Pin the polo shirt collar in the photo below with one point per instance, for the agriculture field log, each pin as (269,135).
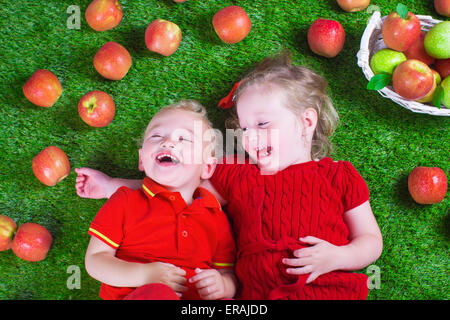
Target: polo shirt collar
(206,198)
(152,188)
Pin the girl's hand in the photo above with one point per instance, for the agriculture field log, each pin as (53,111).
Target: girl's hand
(92,183)
(209,284)
(166,273)
(320,258)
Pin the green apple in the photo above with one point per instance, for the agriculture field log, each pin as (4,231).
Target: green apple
(437,41)
(446,86)
(385,61)
(437,77)
(429,96)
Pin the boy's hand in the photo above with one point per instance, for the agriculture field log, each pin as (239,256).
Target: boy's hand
(322,257)
(168,274)
(91,183)
(209,284)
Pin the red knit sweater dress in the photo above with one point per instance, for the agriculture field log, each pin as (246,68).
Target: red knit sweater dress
(269,213)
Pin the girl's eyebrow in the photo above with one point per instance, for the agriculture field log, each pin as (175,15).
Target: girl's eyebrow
(264,113)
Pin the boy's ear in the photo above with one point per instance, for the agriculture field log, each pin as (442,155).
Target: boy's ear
(208,168)
(141,167)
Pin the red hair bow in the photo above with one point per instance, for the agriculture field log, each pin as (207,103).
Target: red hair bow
(228,101)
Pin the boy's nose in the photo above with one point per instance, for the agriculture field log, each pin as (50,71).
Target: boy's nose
(168,143)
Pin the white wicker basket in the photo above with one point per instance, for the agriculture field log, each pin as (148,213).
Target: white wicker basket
(371,42)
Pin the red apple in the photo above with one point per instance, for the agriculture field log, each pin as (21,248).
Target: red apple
(42,88)
(231,24)
(32,242)
(326,37)
(103,15)
(399,33)
(412,79)
(97,108)
(353,5)
(51,165)
(112,61)
(427,185)
(442,7)
(7,229)
(179,1)
(163,37)
(443,67)
(417,51)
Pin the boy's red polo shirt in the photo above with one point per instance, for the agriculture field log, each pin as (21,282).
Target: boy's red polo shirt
(153,224)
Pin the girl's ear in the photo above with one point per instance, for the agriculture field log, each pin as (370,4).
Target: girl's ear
(208,168)
(141,167)
(310,123)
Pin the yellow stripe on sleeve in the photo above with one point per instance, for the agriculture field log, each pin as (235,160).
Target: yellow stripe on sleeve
(223,264)
(104,237)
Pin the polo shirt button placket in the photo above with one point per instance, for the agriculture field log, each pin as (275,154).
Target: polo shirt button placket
(184,234)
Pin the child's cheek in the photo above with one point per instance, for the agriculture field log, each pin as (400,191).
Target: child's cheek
(193,154)
(249,145)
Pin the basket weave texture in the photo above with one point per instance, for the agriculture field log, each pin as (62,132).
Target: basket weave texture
(372,41)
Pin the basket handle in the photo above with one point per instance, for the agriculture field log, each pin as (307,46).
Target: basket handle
(373,23)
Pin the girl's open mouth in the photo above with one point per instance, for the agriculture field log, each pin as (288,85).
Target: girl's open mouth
(264,152)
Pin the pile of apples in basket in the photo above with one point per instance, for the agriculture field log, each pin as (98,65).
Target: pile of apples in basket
(416,62)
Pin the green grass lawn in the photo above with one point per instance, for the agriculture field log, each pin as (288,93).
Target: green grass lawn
(382,140)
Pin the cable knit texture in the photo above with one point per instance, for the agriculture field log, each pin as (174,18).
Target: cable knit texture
(269,213)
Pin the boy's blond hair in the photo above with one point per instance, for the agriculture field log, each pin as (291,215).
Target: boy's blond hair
(304,89)
(188,105)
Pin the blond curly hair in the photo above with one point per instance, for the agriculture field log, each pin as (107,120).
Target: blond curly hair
(304,89)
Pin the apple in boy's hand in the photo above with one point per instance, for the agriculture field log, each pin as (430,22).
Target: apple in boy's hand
(163,37)
(446,87)
(326,37)
(231,24)
(417,51)
(32,242)
(427,185)
(97,108)
(112,61)
(7,229)
(442,7)
(429,96)
(443,67)
(51,165)
(103,15)
(412,79)
(437,40)
(353,5)
(386,60)
(42,88)
(400,33)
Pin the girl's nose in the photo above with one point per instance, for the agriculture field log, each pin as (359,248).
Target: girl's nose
(257,135)
(252,135)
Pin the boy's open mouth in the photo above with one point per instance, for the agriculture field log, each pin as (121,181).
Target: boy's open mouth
(167,159)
